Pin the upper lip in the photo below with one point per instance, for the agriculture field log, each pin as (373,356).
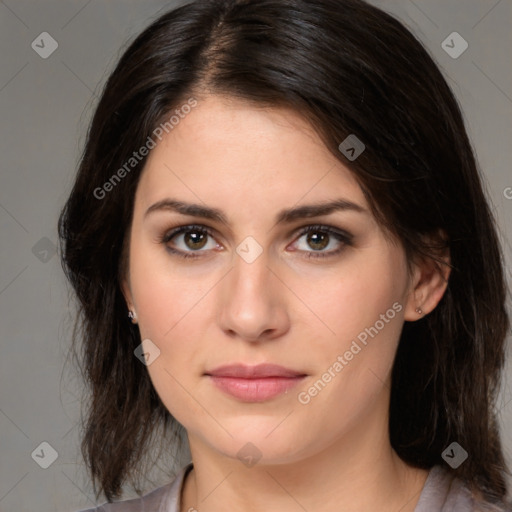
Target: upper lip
(253,372)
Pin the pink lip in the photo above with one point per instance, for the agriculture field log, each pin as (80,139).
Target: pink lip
(254,383)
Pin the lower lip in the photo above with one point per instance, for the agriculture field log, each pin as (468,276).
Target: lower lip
(255,390)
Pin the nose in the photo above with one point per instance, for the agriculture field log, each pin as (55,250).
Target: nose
(252,302)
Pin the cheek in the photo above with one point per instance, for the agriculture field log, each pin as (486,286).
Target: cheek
(352,365)
(363,309)
(168,318)
(165,292)
(354,299)
(172,309)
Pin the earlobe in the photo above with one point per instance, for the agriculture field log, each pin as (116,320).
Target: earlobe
(428,286)
(132,316)
(125,289)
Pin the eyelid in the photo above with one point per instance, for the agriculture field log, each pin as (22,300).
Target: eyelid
(171,233)
(179,230)
(327,229)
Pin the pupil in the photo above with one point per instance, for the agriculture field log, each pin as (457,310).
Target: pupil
(318,241)
(197,239)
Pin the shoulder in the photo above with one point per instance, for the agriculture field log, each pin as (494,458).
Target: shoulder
(443,492)
(165,498)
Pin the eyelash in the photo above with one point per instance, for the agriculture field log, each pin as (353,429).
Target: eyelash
(341,236)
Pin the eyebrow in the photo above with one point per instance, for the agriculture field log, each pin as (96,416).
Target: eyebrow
(285,216)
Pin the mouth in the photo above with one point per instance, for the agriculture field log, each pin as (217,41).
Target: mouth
(254,383)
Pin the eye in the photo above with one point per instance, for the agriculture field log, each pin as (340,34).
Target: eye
(321,237)
(188,240)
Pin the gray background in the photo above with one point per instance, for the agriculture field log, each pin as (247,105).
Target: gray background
(45,105)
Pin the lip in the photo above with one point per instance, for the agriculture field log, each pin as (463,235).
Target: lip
(253,372)
(254,383)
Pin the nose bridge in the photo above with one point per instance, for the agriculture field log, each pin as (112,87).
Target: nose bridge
(249,280)
(251,304)
(250,268)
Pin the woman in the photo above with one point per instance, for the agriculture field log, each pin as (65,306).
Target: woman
(279,243)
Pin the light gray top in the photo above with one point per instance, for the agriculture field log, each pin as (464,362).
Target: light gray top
(442,492)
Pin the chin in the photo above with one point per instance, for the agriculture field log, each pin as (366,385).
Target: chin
(252,444)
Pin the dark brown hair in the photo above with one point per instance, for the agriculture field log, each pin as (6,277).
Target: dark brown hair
(348,68)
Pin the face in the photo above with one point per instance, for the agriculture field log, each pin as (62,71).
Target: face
(251,276)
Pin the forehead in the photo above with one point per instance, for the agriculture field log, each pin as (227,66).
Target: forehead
(228,152)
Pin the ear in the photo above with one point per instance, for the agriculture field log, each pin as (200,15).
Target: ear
(428,284)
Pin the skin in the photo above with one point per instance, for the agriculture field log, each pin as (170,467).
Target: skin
(282,308)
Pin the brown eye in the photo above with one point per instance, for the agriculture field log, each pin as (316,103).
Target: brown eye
(318,241)
(317,238)
(195,239)
(189,241)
